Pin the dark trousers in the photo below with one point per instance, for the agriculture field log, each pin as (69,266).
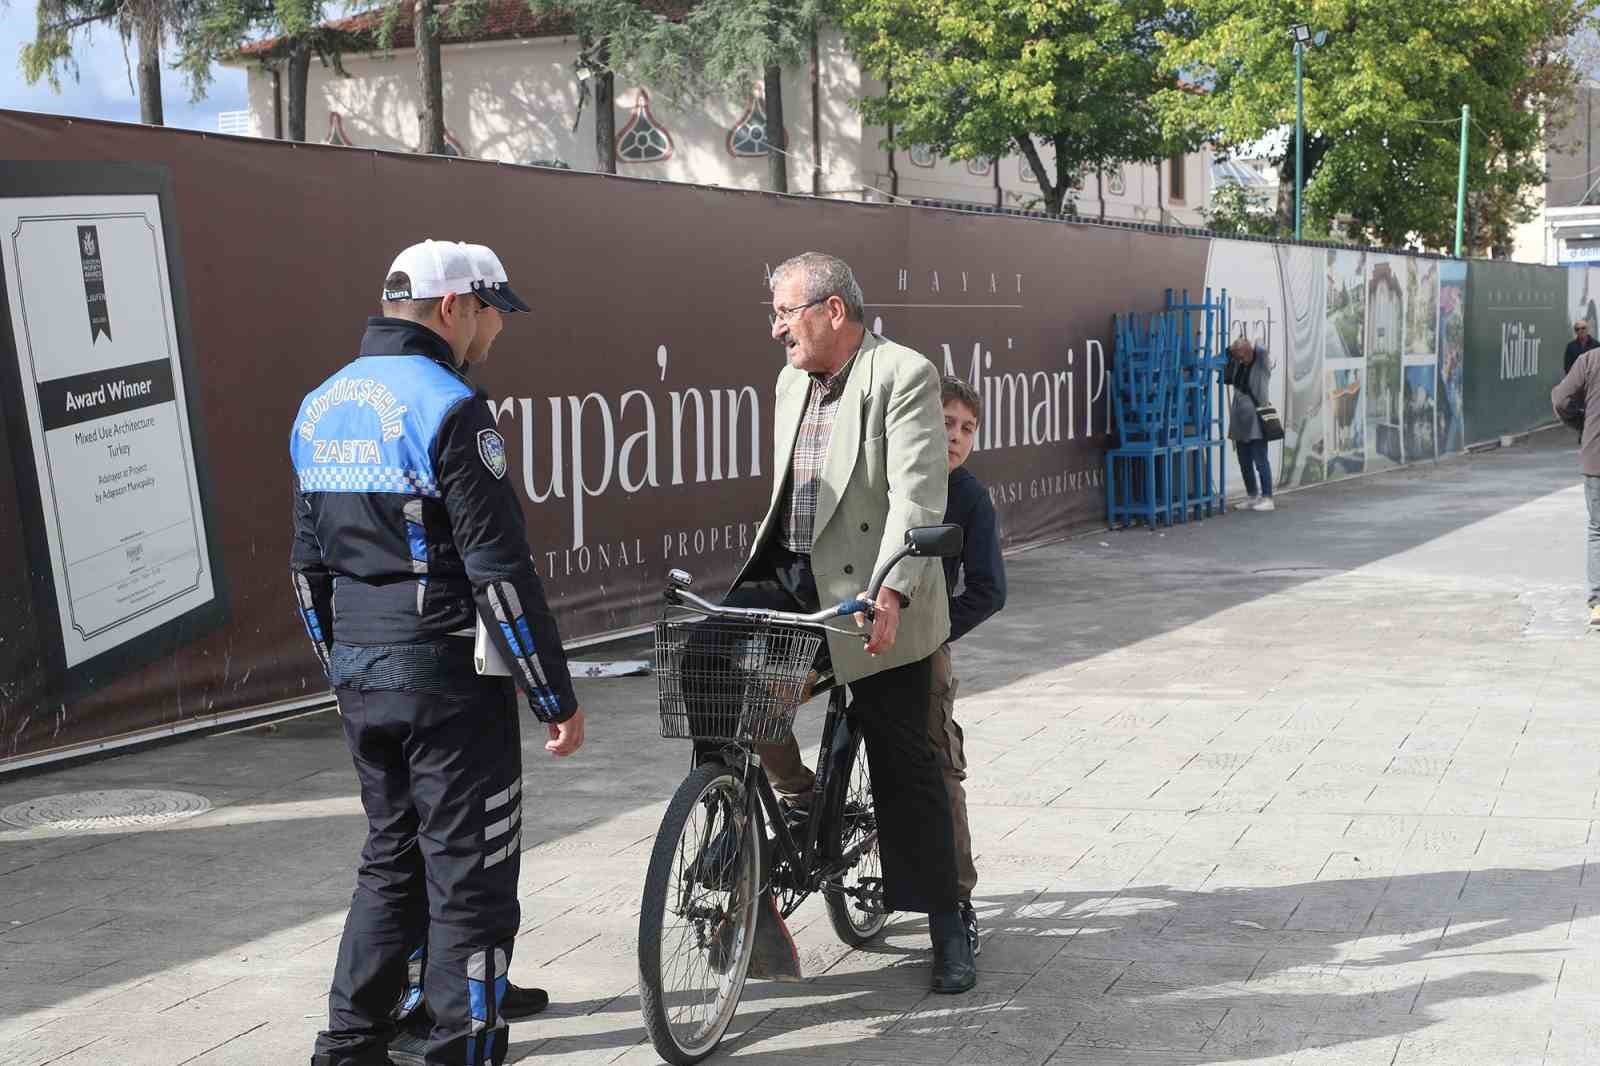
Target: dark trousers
(441,784)
(916,838)
(1255,461)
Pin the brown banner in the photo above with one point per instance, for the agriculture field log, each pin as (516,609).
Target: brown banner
(636,400)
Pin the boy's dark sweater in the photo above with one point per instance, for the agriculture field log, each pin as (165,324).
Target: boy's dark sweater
(979,564)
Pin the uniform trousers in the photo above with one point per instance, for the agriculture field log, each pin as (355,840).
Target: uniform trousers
(441,784)
(916,839)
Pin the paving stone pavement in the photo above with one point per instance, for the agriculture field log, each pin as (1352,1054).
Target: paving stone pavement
(1316,787)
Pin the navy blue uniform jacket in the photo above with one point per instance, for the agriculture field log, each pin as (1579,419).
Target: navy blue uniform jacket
(405,528)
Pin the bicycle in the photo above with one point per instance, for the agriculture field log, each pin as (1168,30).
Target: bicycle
(735,678)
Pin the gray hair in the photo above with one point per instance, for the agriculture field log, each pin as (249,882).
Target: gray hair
(825,276)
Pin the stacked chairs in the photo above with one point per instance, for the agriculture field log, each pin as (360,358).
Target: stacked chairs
(1202,466)
(1167,402)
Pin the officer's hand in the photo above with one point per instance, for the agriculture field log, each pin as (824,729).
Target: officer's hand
(566,737)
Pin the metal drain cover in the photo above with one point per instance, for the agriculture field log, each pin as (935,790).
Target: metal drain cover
(116,808)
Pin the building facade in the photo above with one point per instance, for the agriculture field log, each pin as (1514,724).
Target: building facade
(513,94)
(1566,229)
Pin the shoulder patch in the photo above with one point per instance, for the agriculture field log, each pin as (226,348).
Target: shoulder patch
(492,450)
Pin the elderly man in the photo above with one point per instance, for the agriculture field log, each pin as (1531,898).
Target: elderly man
(858,459)
(1570,399)
(1581,342)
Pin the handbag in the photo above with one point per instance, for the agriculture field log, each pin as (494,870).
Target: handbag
(1271,424)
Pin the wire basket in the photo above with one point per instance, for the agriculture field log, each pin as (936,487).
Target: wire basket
(731,679)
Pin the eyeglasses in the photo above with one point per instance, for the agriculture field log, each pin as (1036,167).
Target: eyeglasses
(789,314)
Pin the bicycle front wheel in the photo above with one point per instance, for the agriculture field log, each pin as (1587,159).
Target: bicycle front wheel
(697,922)
(855,897)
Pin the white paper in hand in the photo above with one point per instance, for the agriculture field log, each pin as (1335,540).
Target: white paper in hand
(486,654)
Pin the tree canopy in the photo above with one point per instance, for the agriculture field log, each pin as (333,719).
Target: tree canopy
(1383,103)
(978,79)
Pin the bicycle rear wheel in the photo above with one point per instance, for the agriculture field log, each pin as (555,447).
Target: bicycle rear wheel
(697,920)
(855,897)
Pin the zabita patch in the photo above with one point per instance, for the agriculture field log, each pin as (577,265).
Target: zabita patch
(492,450)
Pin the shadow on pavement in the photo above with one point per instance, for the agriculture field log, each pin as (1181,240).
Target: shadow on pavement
(1271,984)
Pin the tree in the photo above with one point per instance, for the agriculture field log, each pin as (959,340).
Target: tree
(429,19)
(1236,211)
(1383,104)
(722,43)
(979,79)
(691,53)
(225,25)
(609,32)
(430,77)
(49,54)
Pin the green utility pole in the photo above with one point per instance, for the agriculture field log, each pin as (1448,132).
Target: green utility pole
(1299,132)
(1304,41)
(1461,178)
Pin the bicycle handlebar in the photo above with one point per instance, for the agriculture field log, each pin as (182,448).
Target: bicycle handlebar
(863,605)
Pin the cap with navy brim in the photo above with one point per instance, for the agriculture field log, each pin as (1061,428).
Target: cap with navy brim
(492,283)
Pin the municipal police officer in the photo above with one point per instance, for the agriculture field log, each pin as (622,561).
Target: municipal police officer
(404,520)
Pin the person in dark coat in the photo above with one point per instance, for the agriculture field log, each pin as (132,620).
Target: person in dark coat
(1581,342)
(1248,372)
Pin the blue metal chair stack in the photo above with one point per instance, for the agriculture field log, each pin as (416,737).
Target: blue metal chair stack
(1201,477)
(1144,401)
(1167,402)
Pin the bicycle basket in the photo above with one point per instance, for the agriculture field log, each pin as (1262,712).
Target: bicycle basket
(731,679)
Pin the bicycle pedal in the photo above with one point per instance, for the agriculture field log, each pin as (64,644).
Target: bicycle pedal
(869,895)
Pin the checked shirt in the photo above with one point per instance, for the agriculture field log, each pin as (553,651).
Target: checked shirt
(798,529)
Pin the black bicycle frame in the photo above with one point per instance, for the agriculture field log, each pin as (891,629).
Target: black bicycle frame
(811,869)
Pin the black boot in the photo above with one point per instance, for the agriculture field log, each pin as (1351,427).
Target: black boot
(954,968)
(519,1002)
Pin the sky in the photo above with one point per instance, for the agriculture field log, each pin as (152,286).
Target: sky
(104,88)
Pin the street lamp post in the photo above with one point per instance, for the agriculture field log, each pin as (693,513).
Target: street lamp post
(1303,39)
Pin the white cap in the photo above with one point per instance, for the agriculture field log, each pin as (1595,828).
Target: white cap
(428,271)
(492,283)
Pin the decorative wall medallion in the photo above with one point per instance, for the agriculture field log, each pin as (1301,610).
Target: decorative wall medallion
(336,134)
(643,139)
(748,138)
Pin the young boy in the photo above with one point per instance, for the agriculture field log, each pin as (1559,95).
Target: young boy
(980,576)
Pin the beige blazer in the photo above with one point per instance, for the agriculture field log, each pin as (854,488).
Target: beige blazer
(884,473)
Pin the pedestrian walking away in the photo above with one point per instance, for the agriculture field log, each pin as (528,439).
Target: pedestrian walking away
(858,459)
(1569,399)
(976,580)
(404,517)
(1248,371)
